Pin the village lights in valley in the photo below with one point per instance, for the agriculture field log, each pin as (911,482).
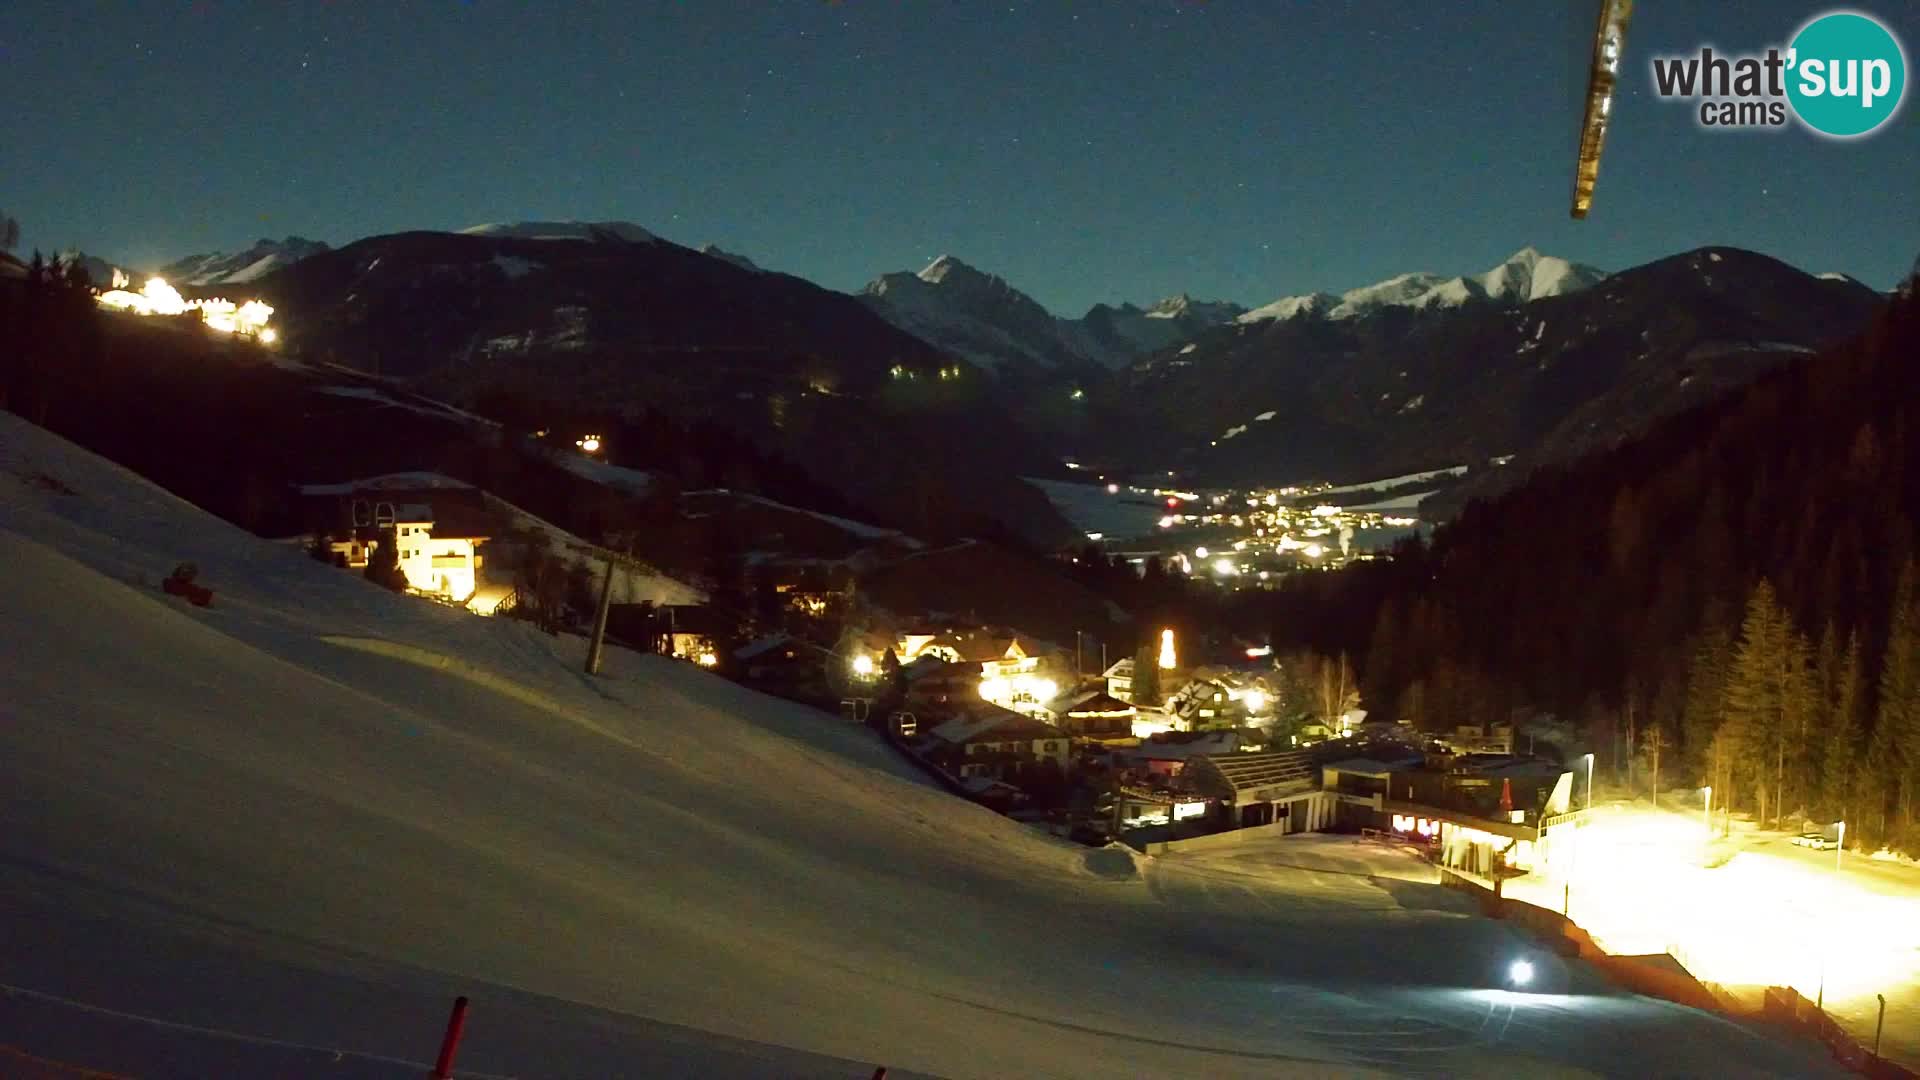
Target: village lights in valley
(157,297)
(708,659)
(589,443)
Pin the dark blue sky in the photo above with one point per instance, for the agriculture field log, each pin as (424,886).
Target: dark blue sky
(1084,149)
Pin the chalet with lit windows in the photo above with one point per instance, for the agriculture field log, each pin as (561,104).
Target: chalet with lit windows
(1120,679)
(1097,716)
(694,632)
(781,664)
(988,741)
(438,531)
(1215,698)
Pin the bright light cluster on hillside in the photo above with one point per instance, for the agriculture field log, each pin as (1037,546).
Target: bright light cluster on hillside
(157,297)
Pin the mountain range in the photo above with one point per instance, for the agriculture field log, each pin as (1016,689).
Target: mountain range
(240,268)
(1525,276)
(926,393)
(551,320)
(979,316)
(1538,358)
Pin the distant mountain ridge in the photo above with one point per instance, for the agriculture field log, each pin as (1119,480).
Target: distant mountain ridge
(243,267)
(1525,276)
(981,317)
(603,316)
(1420,372)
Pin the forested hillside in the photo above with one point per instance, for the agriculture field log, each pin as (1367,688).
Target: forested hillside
(1734,593)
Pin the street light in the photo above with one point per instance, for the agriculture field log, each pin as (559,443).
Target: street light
(1839,845)
(1706,808)
(1589,781)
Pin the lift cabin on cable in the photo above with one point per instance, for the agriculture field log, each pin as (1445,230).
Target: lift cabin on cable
(1609,42)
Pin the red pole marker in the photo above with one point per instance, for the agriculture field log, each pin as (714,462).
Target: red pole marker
(456,1026)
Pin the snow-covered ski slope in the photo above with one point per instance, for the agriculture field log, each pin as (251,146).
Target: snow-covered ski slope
(315,811)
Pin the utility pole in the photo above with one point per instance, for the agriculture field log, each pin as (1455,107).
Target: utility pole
(598,642)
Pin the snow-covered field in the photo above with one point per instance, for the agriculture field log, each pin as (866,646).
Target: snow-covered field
(1395,481)
(1091,508)
(315,811)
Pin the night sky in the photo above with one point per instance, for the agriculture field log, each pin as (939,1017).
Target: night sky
(1087,150)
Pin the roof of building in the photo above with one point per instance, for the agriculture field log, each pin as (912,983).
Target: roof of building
(985,721)
(977,646)
(1184,745)
(1121,669)
(456,512)
(1362,766)
(1233,776)
(1094,703)
(763,646)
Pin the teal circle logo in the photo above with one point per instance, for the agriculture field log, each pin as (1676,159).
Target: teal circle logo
(1846,74)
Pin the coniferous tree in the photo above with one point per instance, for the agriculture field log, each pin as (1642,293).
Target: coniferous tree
(1146,675)
(1842,736)
(1896,744)
(383,566)
(1768,696)
(1704,713)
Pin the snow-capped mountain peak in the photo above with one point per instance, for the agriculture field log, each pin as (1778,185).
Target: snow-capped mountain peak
(1528,275)
(741,261)
(1183,306)
(1288,307)
(944,267)
(238,268)
(1524,276)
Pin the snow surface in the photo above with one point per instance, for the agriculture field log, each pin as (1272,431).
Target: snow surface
(624,480)
(856,528)
(1525,276)
(259,268)
(400,481)
(565,230)
(1120,516)
(1398,502)
(1395,481)
(314,811)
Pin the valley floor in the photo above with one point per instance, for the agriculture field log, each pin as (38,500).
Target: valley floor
(315,811)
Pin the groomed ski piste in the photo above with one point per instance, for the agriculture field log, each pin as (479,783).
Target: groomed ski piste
(277,835)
